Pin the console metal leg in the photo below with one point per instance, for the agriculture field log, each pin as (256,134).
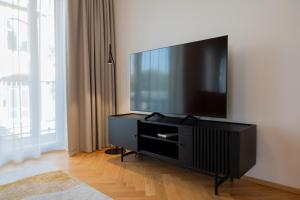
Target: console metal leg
(218,181)
(216,185)
(124,153)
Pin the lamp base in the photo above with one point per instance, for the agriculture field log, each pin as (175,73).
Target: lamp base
(114,151)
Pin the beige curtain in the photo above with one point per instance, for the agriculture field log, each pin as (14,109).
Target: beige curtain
(90,84)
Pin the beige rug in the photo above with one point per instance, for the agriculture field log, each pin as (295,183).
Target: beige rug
(54,185)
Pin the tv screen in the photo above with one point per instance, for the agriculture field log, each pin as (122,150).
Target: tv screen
(189,78)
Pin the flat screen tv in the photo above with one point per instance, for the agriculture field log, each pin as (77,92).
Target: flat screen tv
(188,78)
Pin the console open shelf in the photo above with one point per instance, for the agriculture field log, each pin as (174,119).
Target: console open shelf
(148,140)
(173,140)
(161,147)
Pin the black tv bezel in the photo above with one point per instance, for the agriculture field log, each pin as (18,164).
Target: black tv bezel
(192,114)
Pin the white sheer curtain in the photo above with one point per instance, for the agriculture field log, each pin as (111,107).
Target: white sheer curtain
(32,78)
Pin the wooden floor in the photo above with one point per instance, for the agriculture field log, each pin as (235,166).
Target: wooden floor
(149,179)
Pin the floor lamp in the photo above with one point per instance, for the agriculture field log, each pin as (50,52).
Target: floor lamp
(111,62)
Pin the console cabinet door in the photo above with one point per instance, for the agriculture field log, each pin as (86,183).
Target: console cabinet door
(123,132)
(186,146)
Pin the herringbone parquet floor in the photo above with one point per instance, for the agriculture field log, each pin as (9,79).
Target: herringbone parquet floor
(149,179)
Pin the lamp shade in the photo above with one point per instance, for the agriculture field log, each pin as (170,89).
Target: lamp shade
(110,56)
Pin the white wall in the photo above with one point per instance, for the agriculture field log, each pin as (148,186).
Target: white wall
(264,71)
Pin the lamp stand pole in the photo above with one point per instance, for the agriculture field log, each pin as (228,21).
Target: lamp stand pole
(111,61)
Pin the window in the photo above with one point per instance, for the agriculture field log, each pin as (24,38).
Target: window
(32,81)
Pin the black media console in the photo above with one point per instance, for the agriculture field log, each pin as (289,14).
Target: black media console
(221,149)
